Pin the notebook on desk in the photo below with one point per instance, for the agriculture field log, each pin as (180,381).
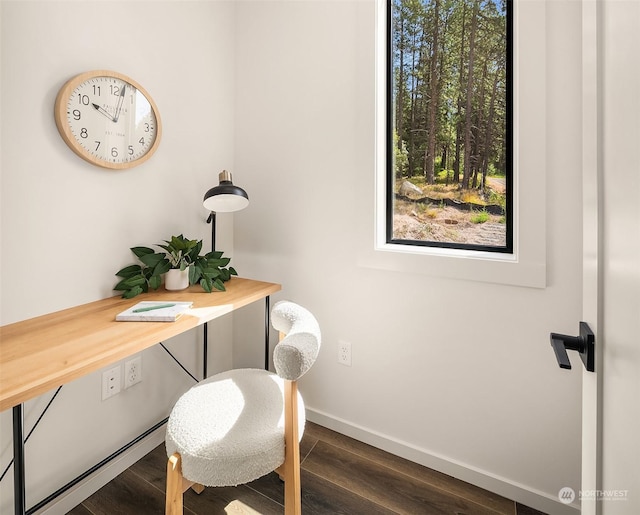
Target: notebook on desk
(154,311)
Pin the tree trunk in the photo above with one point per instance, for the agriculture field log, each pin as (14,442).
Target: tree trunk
(433,105)
(489,133)
(413,126)
(400,85)
(467,113)
(456,160)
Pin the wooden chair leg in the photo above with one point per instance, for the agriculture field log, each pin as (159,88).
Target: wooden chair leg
(174,486)
(197,488)
(292,495)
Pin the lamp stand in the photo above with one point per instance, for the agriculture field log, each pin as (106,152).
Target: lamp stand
(212,220)
(205,344)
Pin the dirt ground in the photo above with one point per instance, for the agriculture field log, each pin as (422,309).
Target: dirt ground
(446,224)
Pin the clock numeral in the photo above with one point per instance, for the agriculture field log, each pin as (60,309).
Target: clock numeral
(76,114)
(114,152)
(141,141)
(83,99)
(115,90)
(97,145)
(147,127)
(130,150)
(96,90)
(84,133)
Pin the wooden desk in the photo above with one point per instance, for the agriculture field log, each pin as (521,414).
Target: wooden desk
(42,353)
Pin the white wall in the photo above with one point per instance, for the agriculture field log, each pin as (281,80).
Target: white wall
(455,374)
(67,226)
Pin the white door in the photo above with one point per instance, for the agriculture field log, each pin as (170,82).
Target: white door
(611,242)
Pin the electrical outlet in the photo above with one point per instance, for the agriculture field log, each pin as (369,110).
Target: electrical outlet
(132,371)
(110,382)
(344,353)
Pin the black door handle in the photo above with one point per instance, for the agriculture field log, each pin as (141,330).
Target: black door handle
(584,344)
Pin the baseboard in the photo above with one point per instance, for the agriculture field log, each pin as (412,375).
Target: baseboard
(483,479)
(78,493)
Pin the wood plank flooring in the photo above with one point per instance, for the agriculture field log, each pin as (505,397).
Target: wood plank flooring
(339,476)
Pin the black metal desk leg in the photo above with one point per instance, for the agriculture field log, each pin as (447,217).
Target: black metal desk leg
(205,349)
(19,490)
(267,322)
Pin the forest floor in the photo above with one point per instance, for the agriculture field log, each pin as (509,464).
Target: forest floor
(438,223)
(448,225)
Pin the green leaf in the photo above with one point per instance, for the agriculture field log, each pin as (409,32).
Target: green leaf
(182,243)
(162,267)
(155,281)
(176,242)
(216,254)
(206,284)
(151,260)
(218,262)
(194,275)
(195,252)
(129,294)
(129,271)
(212,273)
(218,285)
(141,251)
(130,282)
(232,271)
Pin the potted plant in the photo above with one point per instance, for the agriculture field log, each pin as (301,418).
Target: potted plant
(181,255)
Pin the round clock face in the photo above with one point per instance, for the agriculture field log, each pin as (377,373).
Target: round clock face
(108,119)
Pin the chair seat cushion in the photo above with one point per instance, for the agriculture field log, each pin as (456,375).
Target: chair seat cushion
(229,428)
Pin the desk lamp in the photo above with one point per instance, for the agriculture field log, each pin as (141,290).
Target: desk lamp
(223,198)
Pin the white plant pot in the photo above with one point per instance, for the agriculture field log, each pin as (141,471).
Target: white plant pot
(176,279)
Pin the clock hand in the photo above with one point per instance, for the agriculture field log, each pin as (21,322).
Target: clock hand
(119,105)
(102,111)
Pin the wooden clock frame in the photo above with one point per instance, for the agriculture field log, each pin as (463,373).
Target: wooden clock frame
(62,113)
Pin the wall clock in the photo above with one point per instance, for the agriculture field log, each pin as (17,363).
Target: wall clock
(108,119)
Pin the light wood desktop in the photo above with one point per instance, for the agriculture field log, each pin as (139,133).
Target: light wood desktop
(42,353)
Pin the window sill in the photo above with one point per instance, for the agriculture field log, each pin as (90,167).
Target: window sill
(467,265)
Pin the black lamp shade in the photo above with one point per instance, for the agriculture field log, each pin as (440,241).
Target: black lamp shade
(225,198)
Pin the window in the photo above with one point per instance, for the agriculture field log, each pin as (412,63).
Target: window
(525,264)
(449,140)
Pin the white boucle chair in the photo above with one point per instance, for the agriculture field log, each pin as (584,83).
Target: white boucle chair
(239,425)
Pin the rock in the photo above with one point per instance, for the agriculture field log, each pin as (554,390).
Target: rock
(406,188)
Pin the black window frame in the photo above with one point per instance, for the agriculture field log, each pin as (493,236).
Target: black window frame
(508,248)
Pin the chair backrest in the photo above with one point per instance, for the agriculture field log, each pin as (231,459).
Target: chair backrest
(297,352)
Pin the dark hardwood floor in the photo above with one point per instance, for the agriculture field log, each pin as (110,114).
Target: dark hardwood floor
(339,476)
